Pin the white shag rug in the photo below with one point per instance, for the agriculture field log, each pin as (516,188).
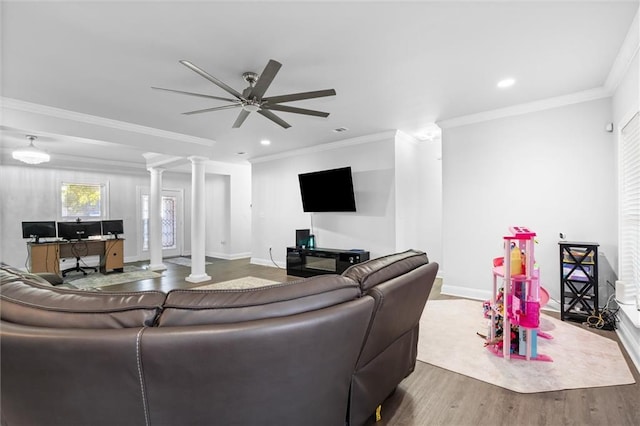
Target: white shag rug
(183,261)
(98,280)
(239,283)
(581,358)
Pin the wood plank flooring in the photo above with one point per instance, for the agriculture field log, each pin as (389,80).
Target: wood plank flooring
(433,396)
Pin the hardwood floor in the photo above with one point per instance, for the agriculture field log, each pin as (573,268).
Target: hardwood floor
(435,396)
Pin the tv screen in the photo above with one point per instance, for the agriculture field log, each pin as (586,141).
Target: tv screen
(327,191)
(112,227)
(37,230)
(78,230)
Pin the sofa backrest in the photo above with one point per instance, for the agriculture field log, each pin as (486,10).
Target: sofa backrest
(65,376)
(373,272)
(195,307)
(10,274)
(287,370)
(27,302)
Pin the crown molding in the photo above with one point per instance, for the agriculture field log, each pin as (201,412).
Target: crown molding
(30,107)
(526,108)
(327,146)
(627,53)
(625,57)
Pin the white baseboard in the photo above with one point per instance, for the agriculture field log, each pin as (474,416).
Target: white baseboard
(267,262)
(466,292)
(227,256)
(475,294)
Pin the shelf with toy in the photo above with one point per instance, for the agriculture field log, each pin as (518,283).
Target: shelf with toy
(515,306)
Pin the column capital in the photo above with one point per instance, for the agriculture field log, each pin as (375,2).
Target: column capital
(196,159)
(155,169)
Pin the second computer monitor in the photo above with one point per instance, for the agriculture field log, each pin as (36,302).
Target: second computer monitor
(79,230)
(113,227)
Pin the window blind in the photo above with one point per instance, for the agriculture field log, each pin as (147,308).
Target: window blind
(629,204)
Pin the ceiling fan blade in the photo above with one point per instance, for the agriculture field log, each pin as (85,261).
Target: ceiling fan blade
(295,110)
(265,79)
(271,116)
(199,111)
(212,79)
(241,117)
(195,94)
(300,96)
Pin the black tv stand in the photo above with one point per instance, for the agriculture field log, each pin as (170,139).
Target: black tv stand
(307,262)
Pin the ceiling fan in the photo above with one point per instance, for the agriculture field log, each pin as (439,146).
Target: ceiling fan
(251,99)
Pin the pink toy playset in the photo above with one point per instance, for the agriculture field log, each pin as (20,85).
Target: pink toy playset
(514,308)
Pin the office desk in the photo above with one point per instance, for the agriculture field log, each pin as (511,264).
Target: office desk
(45,257)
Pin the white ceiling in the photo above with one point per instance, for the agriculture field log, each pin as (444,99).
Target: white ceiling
(394,65)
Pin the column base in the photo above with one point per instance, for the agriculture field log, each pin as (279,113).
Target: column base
(197,278)
(157,267)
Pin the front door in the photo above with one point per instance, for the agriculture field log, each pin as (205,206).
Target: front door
(172,209)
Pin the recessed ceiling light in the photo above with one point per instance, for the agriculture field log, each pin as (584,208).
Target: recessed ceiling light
(265,142)
(507,82)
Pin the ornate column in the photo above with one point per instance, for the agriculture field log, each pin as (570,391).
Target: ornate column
(198,233)
(155,220)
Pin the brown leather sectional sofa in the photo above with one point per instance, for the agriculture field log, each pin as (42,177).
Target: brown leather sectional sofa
(323,351)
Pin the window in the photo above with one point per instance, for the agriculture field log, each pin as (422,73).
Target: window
(169,222)
(629,204)
(83,201)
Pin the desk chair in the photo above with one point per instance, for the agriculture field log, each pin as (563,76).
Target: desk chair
(78,268)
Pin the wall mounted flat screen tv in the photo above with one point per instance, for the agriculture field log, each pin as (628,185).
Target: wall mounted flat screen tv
(37,230)
(327,191)
(113,227)
(79,230)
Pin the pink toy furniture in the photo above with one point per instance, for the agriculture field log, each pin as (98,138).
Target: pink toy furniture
(520,297)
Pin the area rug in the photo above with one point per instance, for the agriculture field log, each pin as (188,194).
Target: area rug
(581,359)
(239,283)
(97,280)
(183,261)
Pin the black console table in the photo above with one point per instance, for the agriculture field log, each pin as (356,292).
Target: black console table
(307,262)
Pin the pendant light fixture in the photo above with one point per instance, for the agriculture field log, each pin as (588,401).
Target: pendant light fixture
(31,154)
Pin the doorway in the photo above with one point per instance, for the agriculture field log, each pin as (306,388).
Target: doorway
(172,222)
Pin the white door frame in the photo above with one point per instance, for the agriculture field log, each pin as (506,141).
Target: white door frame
(166,192)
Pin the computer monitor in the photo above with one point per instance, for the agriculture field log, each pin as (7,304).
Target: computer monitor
(37,230)
(79,230)
(113,227)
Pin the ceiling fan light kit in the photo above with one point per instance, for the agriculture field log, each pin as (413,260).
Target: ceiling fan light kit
(252,98)
(31,154)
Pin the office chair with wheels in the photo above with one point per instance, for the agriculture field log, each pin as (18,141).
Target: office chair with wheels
(78,268)
(79,249)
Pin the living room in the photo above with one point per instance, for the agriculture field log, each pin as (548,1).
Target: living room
(547,162)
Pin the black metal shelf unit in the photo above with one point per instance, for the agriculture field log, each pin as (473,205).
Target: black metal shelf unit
(578,280)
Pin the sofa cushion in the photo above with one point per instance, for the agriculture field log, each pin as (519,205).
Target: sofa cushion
(197,307)
(9,273)
(375,271)
(30,303)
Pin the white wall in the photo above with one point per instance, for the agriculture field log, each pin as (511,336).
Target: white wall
(218,224)
(31,193)
(419,196)
(397,186)
(277,206)
(552,171)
